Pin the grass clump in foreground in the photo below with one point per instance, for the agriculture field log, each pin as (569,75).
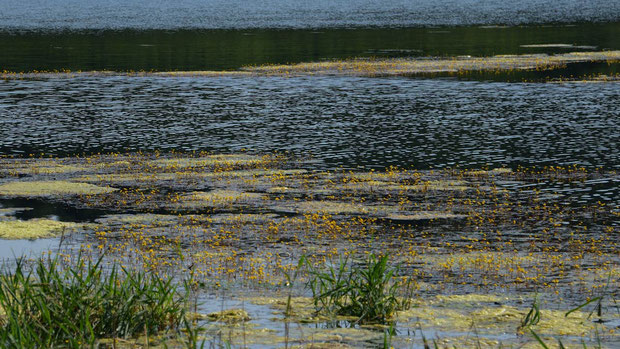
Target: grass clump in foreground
(371,292)
(49,304)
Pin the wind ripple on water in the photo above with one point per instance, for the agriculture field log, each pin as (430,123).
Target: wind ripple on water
(343,121)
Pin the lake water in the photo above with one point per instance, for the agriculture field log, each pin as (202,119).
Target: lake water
(203,49)
(141,14)
(478,120)
(342,121)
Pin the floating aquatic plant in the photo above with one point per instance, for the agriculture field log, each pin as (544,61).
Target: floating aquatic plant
(51,188)
(35,228)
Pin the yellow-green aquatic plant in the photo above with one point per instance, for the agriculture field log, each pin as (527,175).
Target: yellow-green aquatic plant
(54,305)
(34,228)
(51,188)
(369,292)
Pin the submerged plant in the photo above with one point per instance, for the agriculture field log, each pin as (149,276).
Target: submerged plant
(51,304)
(370,292)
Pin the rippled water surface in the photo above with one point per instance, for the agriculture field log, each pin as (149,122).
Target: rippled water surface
(350,122)
(81,14)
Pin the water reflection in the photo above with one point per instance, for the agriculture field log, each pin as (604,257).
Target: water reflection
(165,50)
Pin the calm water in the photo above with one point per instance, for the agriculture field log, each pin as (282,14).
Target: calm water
(166,50)
(350,122)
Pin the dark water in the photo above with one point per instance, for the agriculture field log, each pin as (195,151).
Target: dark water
(166,50)
(371,122)
(142,14)
(39,208)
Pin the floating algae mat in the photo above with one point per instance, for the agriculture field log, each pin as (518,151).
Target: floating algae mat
(51,188)
(366,67)
(34,228)
(475,245)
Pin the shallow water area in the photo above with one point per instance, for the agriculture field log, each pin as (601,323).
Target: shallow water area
(236,224)
(12,249)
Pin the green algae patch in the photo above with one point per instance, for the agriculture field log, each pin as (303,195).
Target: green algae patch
(51,188)
(472,298)
(44,170)
(457,313)
(339,337)
(243,334)
(332,207)
(129,178)
(466,342)
(230,316)
(212,160)
(495,171)
(275,173)
(216,198)
(373,185)
(423,215)
(34,228)
(340,208)
(243,218)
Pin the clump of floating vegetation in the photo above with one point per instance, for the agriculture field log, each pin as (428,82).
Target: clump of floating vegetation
(240,222)
(51,188)
(53,304)
(35,228)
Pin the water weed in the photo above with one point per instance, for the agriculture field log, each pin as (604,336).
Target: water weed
(51,304)
(371,292)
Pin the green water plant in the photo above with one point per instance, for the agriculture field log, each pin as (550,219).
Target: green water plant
(53,304)
(371,292)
